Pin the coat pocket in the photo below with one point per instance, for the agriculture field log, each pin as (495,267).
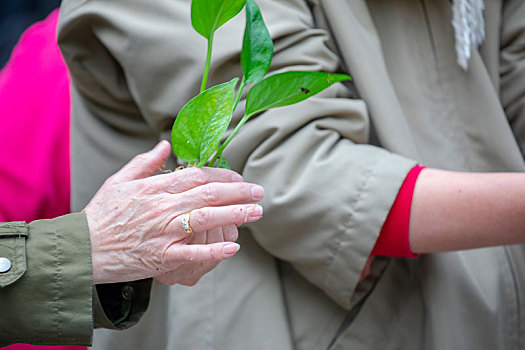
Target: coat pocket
(13,236)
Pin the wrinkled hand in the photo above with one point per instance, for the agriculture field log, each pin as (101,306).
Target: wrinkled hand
(135,220)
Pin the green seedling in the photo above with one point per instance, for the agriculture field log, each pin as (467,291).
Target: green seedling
(200,125)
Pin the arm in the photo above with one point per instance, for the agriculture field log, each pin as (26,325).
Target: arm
(132,228)
(452,211)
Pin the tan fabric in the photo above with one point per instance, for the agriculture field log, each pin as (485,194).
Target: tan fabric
(331,167)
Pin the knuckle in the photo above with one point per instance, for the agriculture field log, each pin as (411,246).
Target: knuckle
(144,189)
(197,176)
(201,218)
(148,188)
(172,182)
(211,194)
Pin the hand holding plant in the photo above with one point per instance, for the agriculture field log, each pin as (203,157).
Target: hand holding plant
(201,123)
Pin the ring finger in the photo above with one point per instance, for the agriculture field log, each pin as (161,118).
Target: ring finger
(215,217)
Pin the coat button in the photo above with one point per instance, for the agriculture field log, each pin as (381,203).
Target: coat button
(128,293)
(5,265)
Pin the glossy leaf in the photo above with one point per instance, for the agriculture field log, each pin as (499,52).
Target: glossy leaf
(209,15)
(288,88)
(201,123)
(257,45)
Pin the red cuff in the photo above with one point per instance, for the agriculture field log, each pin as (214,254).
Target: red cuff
(393,239)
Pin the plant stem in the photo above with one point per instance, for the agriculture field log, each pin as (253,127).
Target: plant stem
(239,93)
(207,65)
(232,135)
(237,99)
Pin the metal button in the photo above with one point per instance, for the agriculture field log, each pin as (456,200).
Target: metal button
(128,293)
(5,265)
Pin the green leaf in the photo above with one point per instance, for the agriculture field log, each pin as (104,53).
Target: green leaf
(208,15)
(257,45)
(202,122)
(288,88)
(223,164)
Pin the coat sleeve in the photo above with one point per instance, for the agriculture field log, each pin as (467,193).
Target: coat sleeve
(512,67)
(46,296)
(47,291)
(327,191)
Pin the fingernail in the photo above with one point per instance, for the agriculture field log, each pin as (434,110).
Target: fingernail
(255,213)
(257,192)
(230,249)
(236,177)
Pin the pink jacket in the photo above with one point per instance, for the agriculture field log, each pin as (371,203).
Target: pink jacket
(34,127)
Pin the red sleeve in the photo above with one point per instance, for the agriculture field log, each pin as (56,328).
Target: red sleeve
(393,239)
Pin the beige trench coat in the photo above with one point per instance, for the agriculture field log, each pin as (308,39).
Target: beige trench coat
(331,167)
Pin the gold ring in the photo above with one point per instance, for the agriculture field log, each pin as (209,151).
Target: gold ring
(186,223)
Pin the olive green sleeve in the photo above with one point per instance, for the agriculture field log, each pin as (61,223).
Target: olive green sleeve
(46,291)
(46,295)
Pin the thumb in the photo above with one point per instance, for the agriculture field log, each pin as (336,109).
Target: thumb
(144,164)
(177,254)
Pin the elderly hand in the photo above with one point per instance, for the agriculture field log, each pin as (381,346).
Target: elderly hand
(135,220)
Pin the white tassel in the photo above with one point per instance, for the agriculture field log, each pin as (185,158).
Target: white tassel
(469,28)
